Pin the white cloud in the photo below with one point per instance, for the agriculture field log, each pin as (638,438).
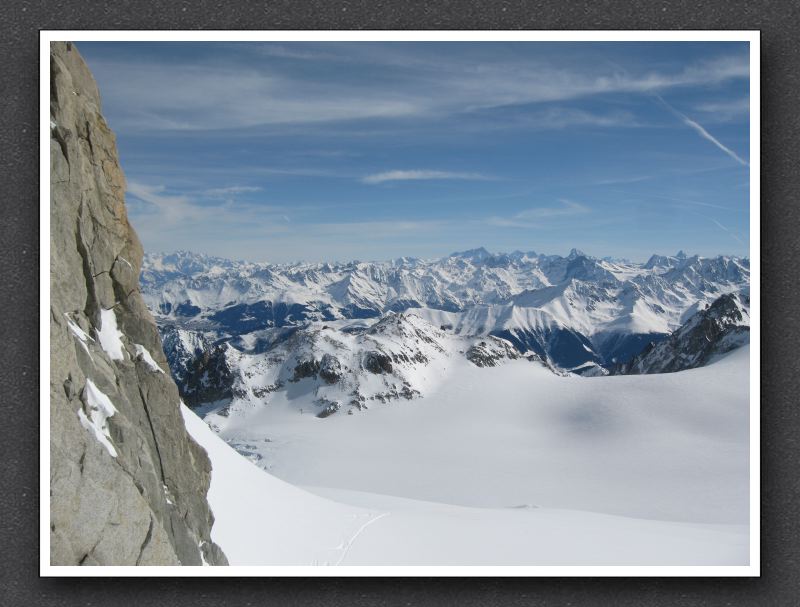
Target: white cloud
(534,217)
(416,175)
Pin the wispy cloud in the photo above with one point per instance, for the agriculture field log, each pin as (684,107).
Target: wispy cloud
(198,97)
(294,51)
(623,180)
(420,174)
(170,207)
(167,220)
(163,210)
(725,109)
(258,93)
(683,201)
(534,217)
(703,132)
(553,117)
(231,190)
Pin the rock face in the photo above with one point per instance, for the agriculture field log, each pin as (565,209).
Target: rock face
(127,484)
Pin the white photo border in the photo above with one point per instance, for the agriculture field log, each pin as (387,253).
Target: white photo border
(753,37)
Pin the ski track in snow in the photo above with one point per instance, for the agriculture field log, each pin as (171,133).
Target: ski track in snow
(346,547)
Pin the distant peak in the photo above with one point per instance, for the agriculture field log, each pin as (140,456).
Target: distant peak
(575,253)
(680,254)
(478,254)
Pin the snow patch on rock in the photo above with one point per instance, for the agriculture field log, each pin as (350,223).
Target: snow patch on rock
(144,354)
(79,333)
(109,336)
(96,422)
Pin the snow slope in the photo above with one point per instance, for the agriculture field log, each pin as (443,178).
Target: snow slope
(260,520)
(671,447)
(520,469)
(425,533)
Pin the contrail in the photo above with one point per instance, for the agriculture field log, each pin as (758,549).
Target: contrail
(703,133)
(730,232)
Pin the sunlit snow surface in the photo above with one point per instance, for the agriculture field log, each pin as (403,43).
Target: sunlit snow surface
(145,355)
(109,336)
(508,466)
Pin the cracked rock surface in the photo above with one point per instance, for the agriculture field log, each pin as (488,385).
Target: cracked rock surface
(127,484)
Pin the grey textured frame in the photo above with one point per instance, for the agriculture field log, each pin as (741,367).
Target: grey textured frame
(19,251)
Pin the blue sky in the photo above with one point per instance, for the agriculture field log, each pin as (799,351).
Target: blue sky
(338,151)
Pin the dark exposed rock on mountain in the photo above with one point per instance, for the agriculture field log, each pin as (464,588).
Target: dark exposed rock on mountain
(182,349)
(208,378)
(305,368)
(330,369)
(377,362)
(127,484)
(491,352)
(718,329)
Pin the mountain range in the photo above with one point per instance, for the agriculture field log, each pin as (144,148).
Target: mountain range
(240,328)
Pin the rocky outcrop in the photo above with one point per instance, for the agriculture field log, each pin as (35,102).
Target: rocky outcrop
(377,362)
(723,326)
(127,484)
(209,377)
(330,369)
(491,352)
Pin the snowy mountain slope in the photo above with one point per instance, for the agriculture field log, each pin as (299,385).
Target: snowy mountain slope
(669,447)
(324,370)
(528,329)
(606,475)
(574,310)
(723,326)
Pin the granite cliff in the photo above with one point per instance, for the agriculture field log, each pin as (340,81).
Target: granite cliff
(127,483)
